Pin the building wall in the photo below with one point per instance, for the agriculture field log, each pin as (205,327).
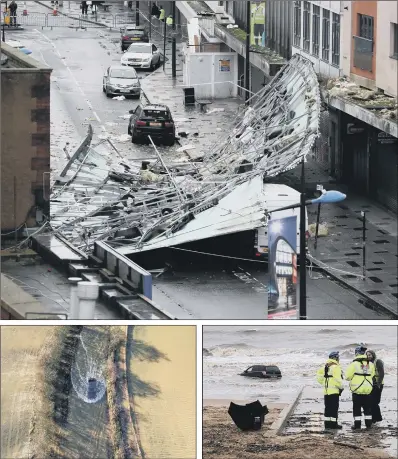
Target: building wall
(324,67)
(360,76)
(25,141)
(278,26)
(386,66)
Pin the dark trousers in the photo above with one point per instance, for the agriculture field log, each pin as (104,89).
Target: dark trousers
(13,18)
(376,397)
(362,402)
(331,410)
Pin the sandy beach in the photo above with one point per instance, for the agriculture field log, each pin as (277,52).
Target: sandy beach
(165,400)
(223,440)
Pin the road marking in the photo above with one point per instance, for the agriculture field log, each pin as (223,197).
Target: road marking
(89,104)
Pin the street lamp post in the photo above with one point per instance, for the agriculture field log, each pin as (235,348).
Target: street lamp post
(247,60)
(174,44)
(303,248)
(327,197)
(137,13)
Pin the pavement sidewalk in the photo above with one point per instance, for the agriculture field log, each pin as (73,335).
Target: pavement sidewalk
(340,253)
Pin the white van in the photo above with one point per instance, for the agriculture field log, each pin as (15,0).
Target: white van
(277,196)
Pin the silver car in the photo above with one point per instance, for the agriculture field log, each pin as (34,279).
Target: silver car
(141,55)
(121,81)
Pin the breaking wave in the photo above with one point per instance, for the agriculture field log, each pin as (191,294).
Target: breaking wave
(323,331)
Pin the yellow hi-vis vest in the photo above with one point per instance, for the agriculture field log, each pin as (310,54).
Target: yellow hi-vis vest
(169,21)
(330,377)
(360,373)
(259,14)
(162,14)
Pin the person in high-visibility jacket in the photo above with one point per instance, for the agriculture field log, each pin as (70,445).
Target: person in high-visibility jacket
(258,22)
(360,373)
(330,376)
(169,20)
(378,384)
(162,14)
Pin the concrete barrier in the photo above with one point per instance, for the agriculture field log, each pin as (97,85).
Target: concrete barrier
(281,422)
(124,268)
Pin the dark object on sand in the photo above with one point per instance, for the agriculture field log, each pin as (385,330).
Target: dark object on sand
(263,371)
(248,417)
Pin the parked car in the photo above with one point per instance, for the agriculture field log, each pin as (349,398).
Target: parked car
(119,80)
(154,120)
(263,371)
(141,55)
(132,33)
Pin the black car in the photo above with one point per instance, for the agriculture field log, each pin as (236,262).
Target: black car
(132,34)
(154,120)
(263,371)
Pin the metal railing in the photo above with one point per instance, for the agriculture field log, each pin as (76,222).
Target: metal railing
(154,25)
(363,53)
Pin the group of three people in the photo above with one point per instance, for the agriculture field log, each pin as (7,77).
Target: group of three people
(160,13)
(366,380)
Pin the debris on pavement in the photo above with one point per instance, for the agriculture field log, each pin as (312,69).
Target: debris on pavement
(177,194)
(119,98)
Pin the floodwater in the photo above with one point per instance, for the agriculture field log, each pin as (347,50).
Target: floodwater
(298,351)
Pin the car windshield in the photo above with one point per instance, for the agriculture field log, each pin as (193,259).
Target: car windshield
(157,114)
(140,49)
(123,73)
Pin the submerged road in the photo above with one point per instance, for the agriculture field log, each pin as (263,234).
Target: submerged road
(79,59)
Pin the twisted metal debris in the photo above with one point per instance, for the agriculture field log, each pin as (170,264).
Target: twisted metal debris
(130,207)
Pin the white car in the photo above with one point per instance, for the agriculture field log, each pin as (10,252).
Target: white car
(141,55)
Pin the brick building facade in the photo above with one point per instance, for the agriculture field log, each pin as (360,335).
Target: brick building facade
(25,139)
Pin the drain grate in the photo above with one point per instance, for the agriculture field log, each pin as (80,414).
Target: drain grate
(330,260)
(356,248)
(381,241)
(375,279)
(378,263)
(374,269)
(359,228)
(382,251)
(351,254)
(374,292)
(348,276)
(354,264)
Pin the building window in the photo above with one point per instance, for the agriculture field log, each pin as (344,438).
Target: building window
(336,39)
(394,53)
(316,23)
(297,24)
(306,26)
(325,34)
(365,26)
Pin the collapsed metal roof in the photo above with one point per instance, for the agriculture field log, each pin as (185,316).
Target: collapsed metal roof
(137,210)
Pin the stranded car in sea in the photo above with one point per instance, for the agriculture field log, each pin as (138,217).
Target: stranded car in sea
(263,371)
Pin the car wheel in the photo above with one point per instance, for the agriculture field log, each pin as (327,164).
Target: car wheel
(103,88)
(152,67)
(134,138)
(129,130)
(107,93)
(170,143)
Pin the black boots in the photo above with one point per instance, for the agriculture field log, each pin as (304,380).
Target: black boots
(356,426)
(332,425)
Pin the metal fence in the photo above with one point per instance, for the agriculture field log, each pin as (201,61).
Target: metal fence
(155,26)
